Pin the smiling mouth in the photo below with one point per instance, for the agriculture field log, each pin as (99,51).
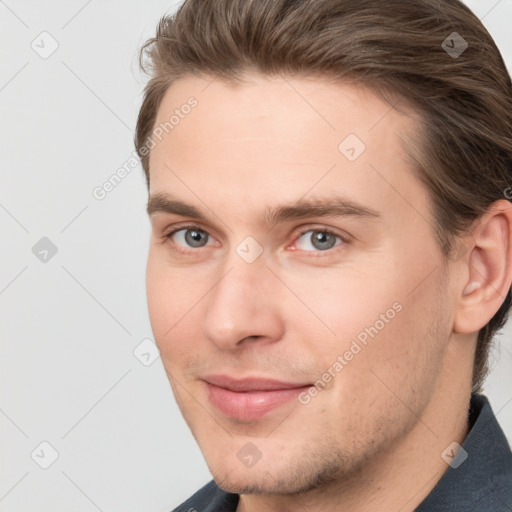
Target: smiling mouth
(252,398)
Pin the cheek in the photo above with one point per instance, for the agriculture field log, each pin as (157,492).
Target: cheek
(343,304)
(163,302)
(173,300)
(400,364)
(381,324)
(157,295)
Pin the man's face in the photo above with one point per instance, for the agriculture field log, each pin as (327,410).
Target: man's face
(250,310)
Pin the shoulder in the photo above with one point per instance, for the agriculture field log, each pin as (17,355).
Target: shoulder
(210,498)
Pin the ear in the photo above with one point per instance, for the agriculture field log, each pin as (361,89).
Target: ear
(488,276)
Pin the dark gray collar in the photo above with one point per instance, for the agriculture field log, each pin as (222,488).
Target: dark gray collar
(483,481)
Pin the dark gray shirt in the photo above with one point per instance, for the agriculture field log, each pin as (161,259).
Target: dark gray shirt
(481,483)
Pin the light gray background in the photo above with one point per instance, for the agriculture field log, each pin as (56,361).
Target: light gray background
(70,325)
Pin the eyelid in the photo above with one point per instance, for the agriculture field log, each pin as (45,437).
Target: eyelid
(185,225)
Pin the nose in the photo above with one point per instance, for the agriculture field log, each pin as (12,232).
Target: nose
(244,305)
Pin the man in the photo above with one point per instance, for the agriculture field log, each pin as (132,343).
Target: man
(330,250)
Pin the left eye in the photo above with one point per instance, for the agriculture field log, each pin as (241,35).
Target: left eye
(321,240)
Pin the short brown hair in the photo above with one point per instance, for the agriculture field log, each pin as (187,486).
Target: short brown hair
(394,47)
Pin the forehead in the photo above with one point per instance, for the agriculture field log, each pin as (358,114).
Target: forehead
(328,104)
(278,137)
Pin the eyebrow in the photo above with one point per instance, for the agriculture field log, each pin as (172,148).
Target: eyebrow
(332,206)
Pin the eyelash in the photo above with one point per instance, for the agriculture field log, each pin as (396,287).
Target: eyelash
(317,253)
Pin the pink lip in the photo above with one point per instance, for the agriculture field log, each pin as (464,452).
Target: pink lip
(251,398)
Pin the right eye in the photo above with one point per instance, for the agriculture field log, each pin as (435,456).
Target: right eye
(189,237)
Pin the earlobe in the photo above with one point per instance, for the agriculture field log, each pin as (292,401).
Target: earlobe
(489,269)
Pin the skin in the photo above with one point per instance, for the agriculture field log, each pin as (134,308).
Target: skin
(373,438)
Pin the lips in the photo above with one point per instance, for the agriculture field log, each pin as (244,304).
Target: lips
(250,398)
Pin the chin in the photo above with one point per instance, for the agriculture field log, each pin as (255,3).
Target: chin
(256,484)
(293,478)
